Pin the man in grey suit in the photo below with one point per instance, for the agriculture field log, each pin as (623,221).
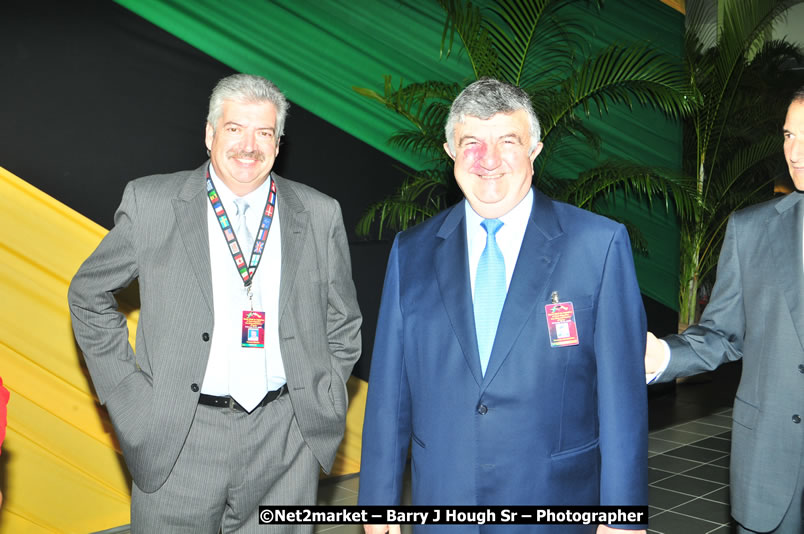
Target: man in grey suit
(248,331)
(757,313)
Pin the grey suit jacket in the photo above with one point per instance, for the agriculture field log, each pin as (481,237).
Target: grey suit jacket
(160,237)
(757,313)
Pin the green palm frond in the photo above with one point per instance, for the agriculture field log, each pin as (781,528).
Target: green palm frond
(626,74)
(414,101)
(420,196)
(518,29)
(732,185)
(466,20)
(631,178)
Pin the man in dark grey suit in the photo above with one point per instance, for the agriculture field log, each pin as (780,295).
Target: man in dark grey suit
(248,331)
(757,313)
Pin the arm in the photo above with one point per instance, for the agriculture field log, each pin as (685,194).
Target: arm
(100,329)
(622,398)
(718,337)
(387,425)
(343,313)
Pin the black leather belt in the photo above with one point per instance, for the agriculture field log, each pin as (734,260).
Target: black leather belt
(229,402)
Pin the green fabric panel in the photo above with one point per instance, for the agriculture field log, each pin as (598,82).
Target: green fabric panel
(316,50)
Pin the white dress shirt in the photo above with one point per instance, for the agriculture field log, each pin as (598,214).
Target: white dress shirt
(229,295)
(509,237)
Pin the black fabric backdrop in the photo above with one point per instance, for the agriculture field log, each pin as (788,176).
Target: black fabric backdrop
(92,96)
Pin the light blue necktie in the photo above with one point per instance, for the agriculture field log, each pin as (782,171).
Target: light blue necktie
(489,292)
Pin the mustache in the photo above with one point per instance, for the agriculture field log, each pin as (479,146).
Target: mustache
(254,154)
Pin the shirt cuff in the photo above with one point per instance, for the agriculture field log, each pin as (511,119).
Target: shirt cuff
(650,378)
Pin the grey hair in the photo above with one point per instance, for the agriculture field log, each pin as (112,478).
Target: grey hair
(485,98)
(251,89)
(798,96)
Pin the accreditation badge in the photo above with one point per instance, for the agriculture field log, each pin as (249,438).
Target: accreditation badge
(253,329)
(561,325)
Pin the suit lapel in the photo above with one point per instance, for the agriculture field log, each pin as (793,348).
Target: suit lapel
(786,229)
(537,259)
(190,208)
(452,273)
(294,226)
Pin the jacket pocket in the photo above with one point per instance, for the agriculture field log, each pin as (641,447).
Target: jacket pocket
(745,414)
(586,447)
(417,441)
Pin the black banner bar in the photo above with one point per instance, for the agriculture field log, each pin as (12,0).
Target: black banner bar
(454,515)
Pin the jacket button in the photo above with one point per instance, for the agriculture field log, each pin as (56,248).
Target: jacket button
(796,419)
(194,387)
(205,336)
(482,409)
(801,368)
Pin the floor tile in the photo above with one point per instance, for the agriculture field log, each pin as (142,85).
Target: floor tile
(721,495)
(726,529)
(722,462)
(673,523)
(701,428)
(691,452)
(710,472)
(715,443)
(711,511)
(340,529)
(659,446)
(722,421)
(351,484)
(654,475)
(688,485)
(664,499)
(675,435)
(672,464)
(329,493)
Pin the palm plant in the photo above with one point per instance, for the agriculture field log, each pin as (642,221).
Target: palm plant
(733,144)
(536,46)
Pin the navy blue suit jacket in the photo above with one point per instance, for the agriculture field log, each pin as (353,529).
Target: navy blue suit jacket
(543,426)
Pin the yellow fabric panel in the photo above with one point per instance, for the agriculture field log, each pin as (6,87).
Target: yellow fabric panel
(678,5)
(347,459)
(62,470)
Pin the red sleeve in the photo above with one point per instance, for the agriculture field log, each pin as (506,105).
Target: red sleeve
(3,402)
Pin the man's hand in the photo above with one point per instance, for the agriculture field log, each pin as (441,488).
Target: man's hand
(381,529)
(654,355)
(603,529)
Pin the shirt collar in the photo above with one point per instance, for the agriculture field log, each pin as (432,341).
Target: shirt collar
(517,217)
(256,199)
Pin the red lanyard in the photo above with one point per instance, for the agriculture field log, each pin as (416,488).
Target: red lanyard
(246,272)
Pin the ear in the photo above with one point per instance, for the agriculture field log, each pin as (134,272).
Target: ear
(449,153)
(210,135)
(536,151)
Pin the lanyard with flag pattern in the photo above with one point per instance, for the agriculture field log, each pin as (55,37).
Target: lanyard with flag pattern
(246,271)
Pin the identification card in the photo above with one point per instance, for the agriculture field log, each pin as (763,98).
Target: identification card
(253,329)
(561,324)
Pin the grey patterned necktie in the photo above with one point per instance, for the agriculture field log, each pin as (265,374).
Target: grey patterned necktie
(247,374)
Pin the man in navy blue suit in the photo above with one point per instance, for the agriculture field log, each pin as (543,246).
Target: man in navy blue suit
(509,347)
